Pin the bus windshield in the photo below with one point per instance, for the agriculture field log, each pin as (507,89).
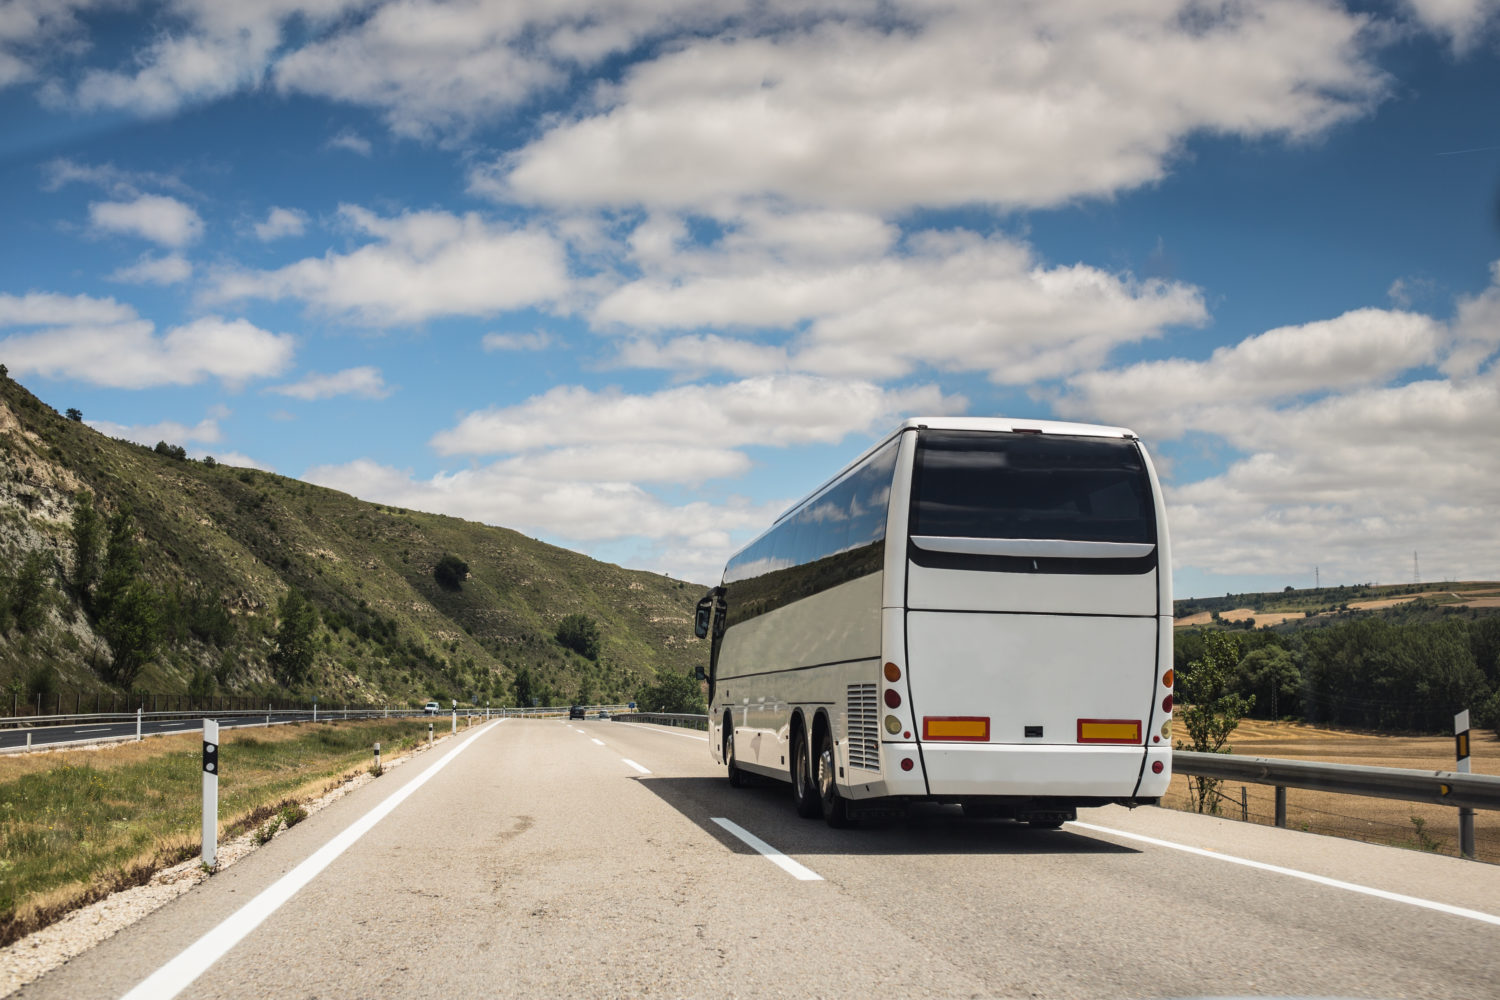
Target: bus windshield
(970,484)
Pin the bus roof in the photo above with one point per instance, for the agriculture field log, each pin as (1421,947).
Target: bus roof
(998,424)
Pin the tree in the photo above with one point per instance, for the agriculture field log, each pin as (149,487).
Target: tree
(75,414)
(580,634)
(1272,675)
(122,561)
(132,627)
(450,572)
(4,372)
(525,689)
(1213,709)
(27,600)
(87,529)
(672,693)
(292,659)
(176,451)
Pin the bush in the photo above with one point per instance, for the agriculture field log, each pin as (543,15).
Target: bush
(450,572)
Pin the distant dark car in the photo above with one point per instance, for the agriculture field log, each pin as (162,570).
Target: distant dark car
(577,712)
(603,714)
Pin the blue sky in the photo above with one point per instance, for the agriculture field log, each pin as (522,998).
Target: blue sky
(629,277)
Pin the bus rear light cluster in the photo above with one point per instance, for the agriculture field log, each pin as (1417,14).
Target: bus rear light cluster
(1167,678)
(1166,729)
(892,698)
(892,672)
(1166,705)
(892,725)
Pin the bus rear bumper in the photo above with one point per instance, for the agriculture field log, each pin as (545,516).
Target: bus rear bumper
(1050,771)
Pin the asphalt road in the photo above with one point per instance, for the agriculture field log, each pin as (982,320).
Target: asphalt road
(544,858)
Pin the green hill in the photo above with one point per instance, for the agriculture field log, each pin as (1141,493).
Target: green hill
(220,547)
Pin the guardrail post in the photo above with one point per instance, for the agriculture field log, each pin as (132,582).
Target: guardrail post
(1281,806)
(138,723)
(1465,814)
(210,793)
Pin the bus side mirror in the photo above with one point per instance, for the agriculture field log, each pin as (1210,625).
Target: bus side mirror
(701,619)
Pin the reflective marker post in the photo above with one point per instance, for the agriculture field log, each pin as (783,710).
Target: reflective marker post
(210,793)
(1465,815)
(138,725)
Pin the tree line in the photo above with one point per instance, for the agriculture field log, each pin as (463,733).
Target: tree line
(1366,673)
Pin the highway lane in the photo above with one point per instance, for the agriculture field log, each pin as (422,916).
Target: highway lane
(542,861)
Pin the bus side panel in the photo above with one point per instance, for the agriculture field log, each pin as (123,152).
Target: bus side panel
(780,660)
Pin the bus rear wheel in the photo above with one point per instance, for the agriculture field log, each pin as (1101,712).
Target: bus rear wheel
(736,776)
(803,790)
(835,808)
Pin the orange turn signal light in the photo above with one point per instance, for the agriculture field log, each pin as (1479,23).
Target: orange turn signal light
(892,672)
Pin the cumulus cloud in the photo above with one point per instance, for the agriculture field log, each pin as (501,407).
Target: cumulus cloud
(1462,22)
(158,218)
(864,304)
(417,266)
(351,141)
(970,101)
(364,381)
(33,31)
(168,269)
(281,222)
(105,343)
(782,410)
(1166,398)
(205,431)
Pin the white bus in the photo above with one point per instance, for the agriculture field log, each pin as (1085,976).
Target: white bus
(974,611)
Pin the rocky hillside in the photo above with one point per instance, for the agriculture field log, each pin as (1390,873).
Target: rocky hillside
(203,558)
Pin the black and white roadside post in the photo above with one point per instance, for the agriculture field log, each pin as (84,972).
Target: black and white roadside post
(1465,814)
(377,758)
(455,714)
(429,733)
(315,708)
(138,724)
(210,793)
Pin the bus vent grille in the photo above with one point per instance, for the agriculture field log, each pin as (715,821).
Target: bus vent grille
(864,727)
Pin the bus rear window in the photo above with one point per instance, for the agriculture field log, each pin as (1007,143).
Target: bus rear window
(970,484)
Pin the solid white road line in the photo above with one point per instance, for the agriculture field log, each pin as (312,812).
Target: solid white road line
(174,977)
(1396,897)
(102,729)
(635,765)
(799,872)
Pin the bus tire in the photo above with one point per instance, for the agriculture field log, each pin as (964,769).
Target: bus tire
(736,776)
(835,808)
(804,791)
(1045,824)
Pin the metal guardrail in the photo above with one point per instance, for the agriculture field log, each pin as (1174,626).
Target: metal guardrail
(1444,788)
(666,719)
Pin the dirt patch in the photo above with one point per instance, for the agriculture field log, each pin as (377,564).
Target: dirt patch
(1380,821)
(1261,618)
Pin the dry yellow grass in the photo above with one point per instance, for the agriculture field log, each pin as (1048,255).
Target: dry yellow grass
(1381,821)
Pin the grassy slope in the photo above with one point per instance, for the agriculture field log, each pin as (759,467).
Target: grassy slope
(242,537)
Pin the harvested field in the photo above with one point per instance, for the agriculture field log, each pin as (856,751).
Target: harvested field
(1380,821)
(1261,618)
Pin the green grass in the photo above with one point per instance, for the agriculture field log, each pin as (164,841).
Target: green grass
(76,826)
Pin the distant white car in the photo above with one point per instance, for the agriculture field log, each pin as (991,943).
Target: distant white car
(432,708)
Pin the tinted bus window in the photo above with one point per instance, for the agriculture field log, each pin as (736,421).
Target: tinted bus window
(986,485)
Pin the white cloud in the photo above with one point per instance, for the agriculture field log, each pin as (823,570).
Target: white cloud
(351,141)
(538,341)
(863,305)
(1166,398)
(157,218)
(418,266)
(120,183)
(570,511)
(235,458)
(1354,483)
(782,410)
(34,31)
(1013,104)
(206,431)
(49,309)
(101,342)
(1476,329)
(168,269)
(1462,22)
(364,381)
(281,222)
